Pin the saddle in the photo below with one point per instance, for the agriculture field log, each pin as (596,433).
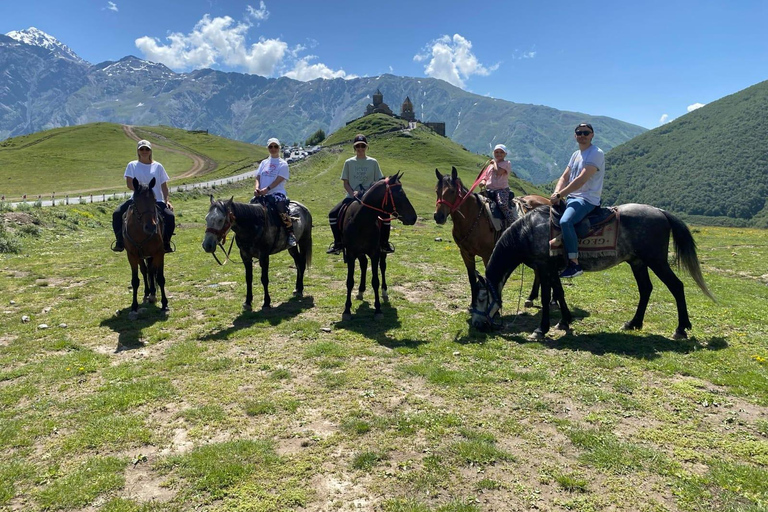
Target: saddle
(495,213)
(598,232)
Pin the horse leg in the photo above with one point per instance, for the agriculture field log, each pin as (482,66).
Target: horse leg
(559,298)
(161,282)
(644,287)
(135,284)
(347,315)
(546,296)
(377,313)
(676,287)
(248,264)
(534,290)
(147,280)
(300,260)
(383,267)
(264,264)
(363,272)
(469,263)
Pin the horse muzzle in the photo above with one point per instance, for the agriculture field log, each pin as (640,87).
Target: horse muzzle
(209,244)
(440,218)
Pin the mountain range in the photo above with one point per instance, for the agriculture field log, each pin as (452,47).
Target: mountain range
(44,84)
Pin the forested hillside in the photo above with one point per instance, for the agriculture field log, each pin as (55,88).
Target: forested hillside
(711,164)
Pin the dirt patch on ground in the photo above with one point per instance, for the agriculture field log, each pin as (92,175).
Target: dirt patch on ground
(18,219)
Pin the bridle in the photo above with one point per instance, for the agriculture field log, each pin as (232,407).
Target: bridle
(386,200)
(493,300)
(221,235)
(452,206)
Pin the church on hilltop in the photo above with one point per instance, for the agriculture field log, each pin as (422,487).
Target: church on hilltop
(406,112)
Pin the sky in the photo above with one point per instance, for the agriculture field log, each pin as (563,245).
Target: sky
(645,63)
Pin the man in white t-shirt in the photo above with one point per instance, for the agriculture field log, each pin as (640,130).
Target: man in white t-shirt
(144,169)
(582,185)
(270,185)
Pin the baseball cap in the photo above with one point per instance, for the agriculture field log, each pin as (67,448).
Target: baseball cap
(144,144)
(501,147)
(360,139)
(273,140)
(586,125)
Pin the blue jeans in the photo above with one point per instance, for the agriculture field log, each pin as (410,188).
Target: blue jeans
(576,209)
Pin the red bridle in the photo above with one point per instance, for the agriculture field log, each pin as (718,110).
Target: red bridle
(388,198)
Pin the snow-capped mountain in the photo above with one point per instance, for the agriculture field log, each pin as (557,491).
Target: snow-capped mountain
(36,37)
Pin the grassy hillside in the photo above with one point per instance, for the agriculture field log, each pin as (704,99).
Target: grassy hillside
(710,164)
(211,408)
(93,157)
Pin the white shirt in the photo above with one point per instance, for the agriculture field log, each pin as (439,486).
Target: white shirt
(145,172)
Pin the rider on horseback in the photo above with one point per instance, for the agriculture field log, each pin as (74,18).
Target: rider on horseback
(496,178)
(270,183)
(582,184)
(360,172)
(144,169)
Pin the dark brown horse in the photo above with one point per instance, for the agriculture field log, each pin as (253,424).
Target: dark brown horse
(360,233)
(143,236)
(473,230)
(258,235)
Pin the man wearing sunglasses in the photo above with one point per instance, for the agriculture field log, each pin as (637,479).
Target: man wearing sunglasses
(144,169)
(581,186)
(359,173)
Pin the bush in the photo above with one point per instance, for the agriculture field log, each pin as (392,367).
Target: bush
(9,243)
(315,138)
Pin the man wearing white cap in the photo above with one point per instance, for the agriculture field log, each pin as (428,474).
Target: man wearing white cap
(144,169)
(496,180)
(270,186)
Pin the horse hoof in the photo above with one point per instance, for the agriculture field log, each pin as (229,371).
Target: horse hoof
(133,315)
(346,317)
(562,327)
(629,326)
(266,307)
(359,296)
(152,299)
(165,311)
(680,335)
(378,316)
(247,307)
(385,295)
(298,294)
(536,335)
(528,304)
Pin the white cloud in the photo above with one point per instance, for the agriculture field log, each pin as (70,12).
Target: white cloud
(664,119)
(221,41)
(451,59)
(695,106)
(261,14)
(112,6)
(305,71)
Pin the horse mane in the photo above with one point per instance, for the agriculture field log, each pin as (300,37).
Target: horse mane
(246,213)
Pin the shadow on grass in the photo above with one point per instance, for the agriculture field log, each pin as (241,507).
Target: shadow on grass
(363,323)
(129,331)
(272,316)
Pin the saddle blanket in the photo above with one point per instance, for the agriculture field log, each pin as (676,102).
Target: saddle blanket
(600,241)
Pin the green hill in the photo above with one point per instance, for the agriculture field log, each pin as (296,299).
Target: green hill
(711,164)
(92,158)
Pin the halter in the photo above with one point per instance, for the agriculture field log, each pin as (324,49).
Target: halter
(492,301)
(388,197)
(221,237)
(454,206)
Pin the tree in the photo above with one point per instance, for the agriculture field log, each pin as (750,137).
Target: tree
(315,138)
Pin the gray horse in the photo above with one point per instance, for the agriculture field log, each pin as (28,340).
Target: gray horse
(259,233)
(643,242)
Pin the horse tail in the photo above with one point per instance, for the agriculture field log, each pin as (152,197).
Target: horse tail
(685,252)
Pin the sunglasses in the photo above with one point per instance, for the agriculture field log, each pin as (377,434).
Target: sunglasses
(144,148)
(360,146)
(583,132)
(272,146)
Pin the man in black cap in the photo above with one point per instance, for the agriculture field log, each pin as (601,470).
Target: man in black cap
(360,172)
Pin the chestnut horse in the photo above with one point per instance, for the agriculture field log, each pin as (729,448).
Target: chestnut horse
(360,233)
(473,230)
(143,235)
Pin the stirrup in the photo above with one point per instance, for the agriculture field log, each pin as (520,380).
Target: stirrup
(387,249)
(117,247)
(168,248)
(334,249)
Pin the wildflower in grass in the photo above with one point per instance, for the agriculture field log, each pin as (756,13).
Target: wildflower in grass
(759,359)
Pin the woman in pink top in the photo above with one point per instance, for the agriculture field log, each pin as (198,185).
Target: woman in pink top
(496,180)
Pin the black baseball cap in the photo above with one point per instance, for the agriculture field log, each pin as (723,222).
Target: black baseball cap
(360,139)
(585,125)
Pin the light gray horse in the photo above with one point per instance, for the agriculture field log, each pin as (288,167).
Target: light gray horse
(643,242)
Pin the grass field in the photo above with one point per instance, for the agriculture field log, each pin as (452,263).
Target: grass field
(215,409)
(93,157)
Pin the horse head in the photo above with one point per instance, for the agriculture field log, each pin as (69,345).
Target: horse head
(145,206)
(218,222)
(450,195)
(388,197)
(488,305)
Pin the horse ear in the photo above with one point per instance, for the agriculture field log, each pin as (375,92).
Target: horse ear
(454,173)
(439,176)
(135,184)
(231,199)
(211,196)
(152,183)
(480,279)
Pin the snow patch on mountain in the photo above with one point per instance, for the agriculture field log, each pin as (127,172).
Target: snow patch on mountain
(36,37)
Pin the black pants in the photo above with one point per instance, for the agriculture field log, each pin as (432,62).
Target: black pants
(169,219)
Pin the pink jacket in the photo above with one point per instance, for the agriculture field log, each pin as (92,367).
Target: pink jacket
(500,180)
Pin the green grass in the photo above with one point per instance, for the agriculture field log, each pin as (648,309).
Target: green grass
(214,408)
(93,157)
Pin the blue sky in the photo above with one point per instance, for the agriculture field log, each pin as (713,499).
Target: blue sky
(641,62)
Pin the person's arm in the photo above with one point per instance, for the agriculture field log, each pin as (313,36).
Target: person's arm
(166,192)
(274,184)
(129,182)
(349,188)
(564,178)
(586,173)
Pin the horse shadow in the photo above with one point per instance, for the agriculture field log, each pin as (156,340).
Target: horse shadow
(129,331)
(376,330)
(272,316)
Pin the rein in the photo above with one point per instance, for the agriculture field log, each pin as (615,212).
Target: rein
(387,199)
(454,206)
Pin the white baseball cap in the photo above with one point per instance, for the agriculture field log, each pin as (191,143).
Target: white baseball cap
(144,144)
(273,140)
(501,147)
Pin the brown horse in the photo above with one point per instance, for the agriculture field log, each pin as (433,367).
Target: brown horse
(473,230)
(143,235)
(360,231)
